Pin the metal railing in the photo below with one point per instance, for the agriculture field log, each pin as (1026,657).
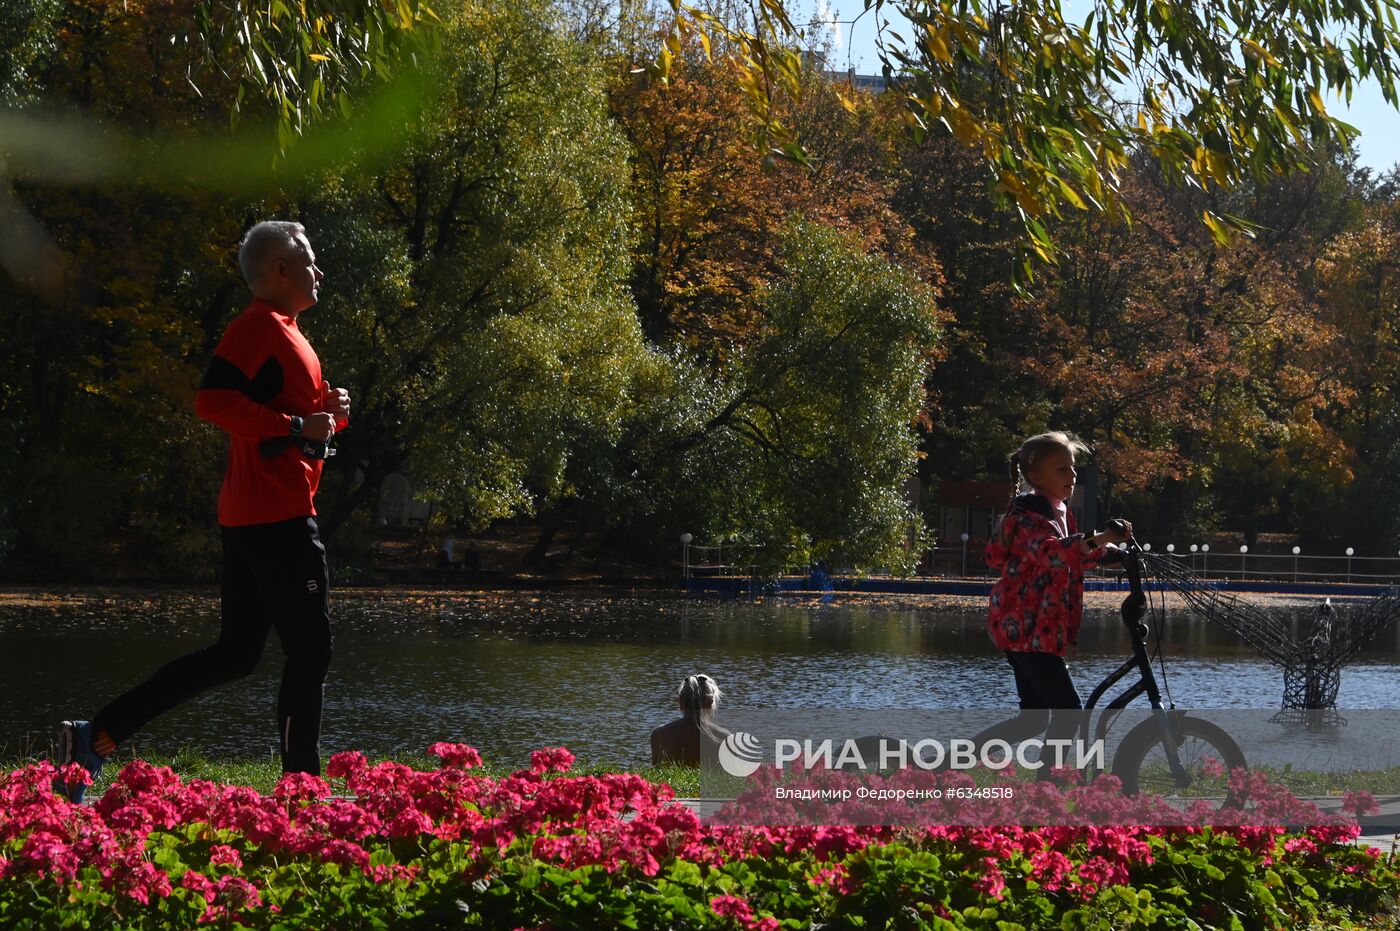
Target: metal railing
(718,560)
(965,559)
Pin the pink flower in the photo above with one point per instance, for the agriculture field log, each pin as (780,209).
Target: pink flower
(456,756)
(1360,803)
(551,758)
(1096,872)
(1049,868)
(393,872)
(237,893)
(48,854)
(578,821)
(1300,844)
(212,914)
(834,876)
(1335,834)
(144,881)
(410,822)
(338,818)
(301,787)
(199,884)
(75,774)
(991,882)
(346,765)
(223,855)
(345,853)
(731,906)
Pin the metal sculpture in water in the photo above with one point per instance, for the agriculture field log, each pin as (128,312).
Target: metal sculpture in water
(1312,666)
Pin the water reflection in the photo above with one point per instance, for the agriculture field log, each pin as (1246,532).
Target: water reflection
(508,672)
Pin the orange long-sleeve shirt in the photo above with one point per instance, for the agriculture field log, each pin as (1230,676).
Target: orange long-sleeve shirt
(263,372)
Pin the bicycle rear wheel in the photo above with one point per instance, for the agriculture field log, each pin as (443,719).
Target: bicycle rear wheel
(1206,752)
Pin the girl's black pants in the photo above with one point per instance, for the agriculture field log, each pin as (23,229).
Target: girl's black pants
(1050,703)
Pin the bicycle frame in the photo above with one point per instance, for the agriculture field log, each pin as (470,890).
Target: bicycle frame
(1133,610)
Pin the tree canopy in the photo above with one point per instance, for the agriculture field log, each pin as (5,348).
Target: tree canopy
(1215,93)
(561,287)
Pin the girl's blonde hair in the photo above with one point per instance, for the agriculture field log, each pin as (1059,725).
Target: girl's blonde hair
(1035,448)
(701,693)
(697,693)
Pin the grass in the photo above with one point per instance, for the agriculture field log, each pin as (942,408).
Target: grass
(1314,783)
(262,773)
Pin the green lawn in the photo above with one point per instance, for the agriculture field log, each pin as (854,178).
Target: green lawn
(262,773)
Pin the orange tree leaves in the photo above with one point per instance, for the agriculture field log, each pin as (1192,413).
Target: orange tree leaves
(1055,110)
(709,223)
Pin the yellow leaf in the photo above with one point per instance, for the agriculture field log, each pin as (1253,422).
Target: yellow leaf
(1254,50)
(1288,124)
(937,46)
(1010,181)
(1316,99)
(1217,229)
(964,127)
(1071,194)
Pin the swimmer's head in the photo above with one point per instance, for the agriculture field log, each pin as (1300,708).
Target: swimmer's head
(698,693)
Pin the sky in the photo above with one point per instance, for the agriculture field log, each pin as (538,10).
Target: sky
(854,46)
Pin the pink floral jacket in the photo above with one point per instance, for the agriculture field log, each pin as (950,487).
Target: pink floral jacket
(1038,603)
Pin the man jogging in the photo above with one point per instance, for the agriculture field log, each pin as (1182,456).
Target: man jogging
(264,388)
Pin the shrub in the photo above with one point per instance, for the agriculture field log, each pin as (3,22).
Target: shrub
(385,845)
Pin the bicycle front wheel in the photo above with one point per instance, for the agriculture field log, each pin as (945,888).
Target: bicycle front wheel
(1207,755)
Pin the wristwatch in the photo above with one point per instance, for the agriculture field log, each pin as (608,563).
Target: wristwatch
(296,425)
(1089,538)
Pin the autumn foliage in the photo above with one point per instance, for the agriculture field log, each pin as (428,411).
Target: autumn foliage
(564,291)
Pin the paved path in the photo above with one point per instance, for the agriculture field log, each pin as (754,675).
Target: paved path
(1382,830)
(1385,843)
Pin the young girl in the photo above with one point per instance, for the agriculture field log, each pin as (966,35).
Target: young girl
(1037,604)
(695,734)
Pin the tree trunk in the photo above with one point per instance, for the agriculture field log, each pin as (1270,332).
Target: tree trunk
(550,522)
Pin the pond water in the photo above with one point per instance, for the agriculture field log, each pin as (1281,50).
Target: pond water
(595,671)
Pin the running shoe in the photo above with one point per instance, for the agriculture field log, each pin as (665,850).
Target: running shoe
(75,746)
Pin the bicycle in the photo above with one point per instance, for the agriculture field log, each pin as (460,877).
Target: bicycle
(1170,754)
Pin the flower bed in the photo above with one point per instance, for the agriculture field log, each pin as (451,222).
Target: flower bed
(403,848)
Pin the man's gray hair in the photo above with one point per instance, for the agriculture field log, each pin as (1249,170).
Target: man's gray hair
(268,240)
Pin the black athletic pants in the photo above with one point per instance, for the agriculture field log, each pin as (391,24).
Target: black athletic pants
(275,577)
(1050,703)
